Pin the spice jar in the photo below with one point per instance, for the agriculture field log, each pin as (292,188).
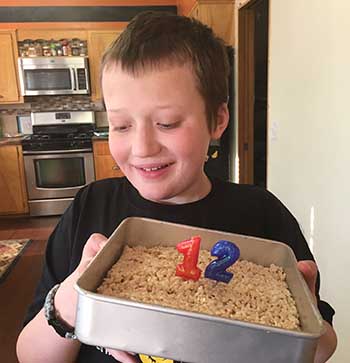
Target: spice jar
(64,44)
(46,49)
(31,50)
(26,43)
(53,48)
(22,51)
(75,45)
(38,47)
(83,48)
(59,50)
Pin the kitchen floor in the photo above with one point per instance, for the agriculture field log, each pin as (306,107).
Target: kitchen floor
(16,291)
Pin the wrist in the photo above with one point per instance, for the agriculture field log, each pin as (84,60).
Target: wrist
(53,316)
(66,301)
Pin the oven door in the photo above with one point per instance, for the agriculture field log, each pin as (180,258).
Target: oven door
(57,174)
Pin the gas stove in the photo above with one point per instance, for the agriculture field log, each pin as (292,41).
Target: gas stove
(60,131)
(58,159)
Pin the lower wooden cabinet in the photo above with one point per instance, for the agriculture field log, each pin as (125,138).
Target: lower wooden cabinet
(105,166)
(13,193)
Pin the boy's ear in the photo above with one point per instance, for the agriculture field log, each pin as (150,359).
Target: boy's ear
(222,119)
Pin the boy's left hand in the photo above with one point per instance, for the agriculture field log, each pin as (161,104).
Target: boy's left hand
(328,341)
(309,270)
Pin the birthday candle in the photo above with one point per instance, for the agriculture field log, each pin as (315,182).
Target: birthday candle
(188,269)
(227,253)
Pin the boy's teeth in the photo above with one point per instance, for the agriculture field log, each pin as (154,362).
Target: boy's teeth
(155,168)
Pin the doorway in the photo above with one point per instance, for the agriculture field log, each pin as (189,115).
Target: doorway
(252,91)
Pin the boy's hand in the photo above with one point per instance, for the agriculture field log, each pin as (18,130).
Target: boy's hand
(123,357)
(66,292)
(91,248)
(309,270)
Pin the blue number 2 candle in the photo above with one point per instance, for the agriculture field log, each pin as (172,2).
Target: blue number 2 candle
(227,253)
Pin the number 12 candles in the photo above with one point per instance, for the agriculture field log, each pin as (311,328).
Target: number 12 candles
(226,251)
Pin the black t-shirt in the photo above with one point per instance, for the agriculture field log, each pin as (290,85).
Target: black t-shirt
(102,205)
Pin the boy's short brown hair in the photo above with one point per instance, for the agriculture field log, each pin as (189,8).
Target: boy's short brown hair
(153,39)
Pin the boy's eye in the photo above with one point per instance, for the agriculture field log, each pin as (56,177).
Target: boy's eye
(120,128)
(167,126)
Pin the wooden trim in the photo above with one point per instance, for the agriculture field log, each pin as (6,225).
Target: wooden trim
(246,24)
(86,2)
(242,3)
(23,180)
(68,25)
(185,7)
(50,33)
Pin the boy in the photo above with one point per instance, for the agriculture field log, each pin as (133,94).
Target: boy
(165,88)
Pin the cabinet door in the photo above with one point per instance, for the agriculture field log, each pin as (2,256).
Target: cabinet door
(98,41)
(105,166)
(219,16)
(13,194)
(9,92)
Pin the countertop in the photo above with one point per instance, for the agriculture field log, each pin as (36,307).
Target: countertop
(11,140)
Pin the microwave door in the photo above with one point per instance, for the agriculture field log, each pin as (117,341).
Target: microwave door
(48,81)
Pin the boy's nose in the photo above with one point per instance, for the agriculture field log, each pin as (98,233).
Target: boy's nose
(145,143)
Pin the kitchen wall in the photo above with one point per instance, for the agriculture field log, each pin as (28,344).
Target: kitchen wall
(309,129)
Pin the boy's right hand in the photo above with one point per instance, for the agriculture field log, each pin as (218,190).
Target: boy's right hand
(67,293)
(66,297)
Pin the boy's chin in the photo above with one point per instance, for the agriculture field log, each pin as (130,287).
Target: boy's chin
(155,196)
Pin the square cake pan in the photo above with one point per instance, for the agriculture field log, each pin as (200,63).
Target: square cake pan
(186,336)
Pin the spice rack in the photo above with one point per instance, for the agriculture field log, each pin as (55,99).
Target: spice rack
(52,48)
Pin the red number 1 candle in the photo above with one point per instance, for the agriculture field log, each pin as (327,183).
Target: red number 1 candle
(188,269)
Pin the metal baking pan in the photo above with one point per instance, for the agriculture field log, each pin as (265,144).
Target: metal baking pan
(187,336)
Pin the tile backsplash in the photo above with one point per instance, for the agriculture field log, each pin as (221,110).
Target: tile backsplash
(52,103)
(8,113)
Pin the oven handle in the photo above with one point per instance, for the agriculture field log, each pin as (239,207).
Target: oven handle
(72,76)
(27,152)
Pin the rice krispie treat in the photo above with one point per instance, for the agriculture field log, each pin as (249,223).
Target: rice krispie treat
(256,293)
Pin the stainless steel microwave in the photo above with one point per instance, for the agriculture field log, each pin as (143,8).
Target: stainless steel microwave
(54,76)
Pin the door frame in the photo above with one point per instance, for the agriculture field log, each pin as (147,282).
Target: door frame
(246,89)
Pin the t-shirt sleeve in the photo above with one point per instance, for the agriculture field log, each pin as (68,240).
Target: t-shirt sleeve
(282,226)
(56,262)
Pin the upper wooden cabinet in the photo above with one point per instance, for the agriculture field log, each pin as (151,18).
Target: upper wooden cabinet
(9,85)
(13,192)
(219,15)
(98,41)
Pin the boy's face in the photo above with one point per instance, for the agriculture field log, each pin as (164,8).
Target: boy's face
(158,133)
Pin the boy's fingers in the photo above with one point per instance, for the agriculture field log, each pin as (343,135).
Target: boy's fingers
(123,357)
(309,272)
(92,246)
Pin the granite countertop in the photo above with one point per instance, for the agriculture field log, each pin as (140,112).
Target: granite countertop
(11,140)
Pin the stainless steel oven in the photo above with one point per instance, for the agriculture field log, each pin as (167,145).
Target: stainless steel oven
(58,160)
(54,178)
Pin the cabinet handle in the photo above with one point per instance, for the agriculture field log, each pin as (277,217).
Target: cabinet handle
(115,167)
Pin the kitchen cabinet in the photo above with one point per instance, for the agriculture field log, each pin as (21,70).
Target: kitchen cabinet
(217,14)
(9,83)
(105,166)
(13,193)
(98,41)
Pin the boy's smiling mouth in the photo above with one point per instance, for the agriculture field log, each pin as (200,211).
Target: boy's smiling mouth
(152,168)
